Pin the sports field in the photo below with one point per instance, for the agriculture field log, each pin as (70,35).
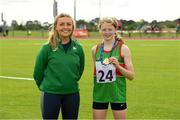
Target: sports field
(154,93)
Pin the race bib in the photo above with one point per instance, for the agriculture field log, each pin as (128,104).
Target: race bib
(105,73)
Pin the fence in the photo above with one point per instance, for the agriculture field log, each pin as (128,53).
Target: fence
(127,34)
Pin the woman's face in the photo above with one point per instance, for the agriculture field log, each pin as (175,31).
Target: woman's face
(64,27)
(107,31)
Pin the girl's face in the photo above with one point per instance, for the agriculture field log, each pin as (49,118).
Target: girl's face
(64,27)
(107,31)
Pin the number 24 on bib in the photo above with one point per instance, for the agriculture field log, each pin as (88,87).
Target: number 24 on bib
(105,73)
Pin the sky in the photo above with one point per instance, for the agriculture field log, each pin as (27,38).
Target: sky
(42,10)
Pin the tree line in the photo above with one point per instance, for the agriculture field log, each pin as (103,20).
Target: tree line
(127,25)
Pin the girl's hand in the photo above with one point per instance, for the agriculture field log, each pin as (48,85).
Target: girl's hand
(114,61)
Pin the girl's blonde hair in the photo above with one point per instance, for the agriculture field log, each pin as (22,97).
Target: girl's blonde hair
(53,36)
(113,21)
(110,20)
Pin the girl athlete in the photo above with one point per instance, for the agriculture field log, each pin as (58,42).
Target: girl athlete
(112,65)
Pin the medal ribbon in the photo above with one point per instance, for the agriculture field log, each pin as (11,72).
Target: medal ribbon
(102,53)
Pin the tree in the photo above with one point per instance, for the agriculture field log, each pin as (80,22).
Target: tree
(29,25)
(129,25)
(21,27)
(36,25)
(91,26)
(170,24)
(82,24)
(141,23)
(14,24)
(46,25)
(155,26)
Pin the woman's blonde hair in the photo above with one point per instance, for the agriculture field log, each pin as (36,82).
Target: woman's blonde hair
(113,21)
(53,36)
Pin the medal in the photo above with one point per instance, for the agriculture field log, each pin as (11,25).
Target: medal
(106,61)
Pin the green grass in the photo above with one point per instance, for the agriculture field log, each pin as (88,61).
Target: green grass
(37,33)
(154,93)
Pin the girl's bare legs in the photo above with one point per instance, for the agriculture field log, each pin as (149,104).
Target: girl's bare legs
(119,114)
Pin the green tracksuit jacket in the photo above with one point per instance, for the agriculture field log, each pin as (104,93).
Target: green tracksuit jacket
(58,71)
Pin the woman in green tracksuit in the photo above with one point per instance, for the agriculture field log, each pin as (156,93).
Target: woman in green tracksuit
(112,64)
(58,68)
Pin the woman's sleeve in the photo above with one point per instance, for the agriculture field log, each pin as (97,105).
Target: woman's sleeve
(40,65)
(82,59)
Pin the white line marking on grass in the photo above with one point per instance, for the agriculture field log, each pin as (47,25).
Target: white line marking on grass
(16,78)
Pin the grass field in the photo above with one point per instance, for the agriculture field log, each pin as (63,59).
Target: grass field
(154,93)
